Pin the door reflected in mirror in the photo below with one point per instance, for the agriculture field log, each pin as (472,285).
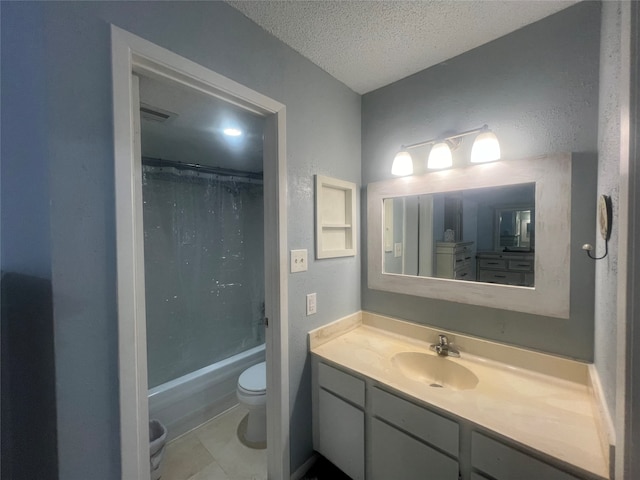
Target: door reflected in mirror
(484,235)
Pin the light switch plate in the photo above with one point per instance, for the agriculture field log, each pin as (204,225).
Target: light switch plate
(298,260)
(397,249)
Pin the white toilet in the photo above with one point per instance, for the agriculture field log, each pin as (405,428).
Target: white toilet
(252,393)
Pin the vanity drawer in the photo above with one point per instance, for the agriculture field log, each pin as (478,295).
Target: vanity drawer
(463,256)
(492,263)
(503,277)
(505,463)
(521,265)
(463,273)
(420,422)
(341,383)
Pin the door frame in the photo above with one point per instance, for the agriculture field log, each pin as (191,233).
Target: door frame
(627,462)
(130,54)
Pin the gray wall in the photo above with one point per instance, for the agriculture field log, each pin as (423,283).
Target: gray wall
(58,62)
(606,350)
(25,174)
(538,89)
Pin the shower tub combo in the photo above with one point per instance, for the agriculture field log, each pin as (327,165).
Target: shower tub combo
(204,271)
(193,399)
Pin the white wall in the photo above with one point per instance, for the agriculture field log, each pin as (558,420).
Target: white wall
(60,65)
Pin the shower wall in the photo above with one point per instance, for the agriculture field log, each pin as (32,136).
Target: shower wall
(204,269)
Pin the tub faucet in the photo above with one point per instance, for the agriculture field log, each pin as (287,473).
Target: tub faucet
(443,349)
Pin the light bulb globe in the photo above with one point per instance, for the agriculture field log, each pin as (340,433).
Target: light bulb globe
(440,157)
(402,164)
(486,148)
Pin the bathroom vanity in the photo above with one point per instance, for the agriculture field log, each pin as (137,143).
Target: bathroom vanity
(506,268)
(453,260)
(386,406)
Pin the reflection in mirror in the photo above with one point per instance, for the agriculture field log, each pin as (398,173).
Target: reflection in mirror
(484,235)
(514,229)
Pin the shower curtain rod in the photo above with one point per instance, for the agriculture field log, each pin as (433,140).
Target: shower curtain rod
(225,172)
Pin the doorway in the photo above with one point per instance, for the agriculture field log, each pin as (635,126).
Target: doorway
(134,55)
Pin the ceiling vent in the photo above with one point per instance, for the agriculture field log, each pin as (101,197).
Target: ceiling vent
(155,114)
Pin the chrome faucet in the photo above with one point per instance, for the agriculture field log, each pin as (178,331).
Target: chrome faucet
(443,349)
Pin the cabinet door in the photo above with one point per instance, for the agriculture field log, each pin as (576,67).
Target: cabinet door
(396,455)
(505,463)
(423,424)
(341,434)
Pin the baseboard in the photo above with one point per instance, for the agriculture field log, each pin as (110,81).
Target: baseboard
(603,418)
(305,467)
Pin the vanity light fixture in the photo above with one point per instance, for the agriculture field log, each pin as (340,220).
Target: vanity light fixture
(486,148)
(402,164)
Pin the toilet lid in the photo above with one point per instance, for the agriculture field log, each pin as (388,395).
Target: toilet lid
(254,379)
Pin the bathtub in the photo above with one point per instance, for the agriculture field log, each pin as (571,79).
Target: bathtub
(191,400)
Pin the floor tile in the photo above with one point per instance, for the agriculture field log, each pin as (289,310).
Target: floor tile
(185,457)
(217,433)
(213,471)
(221,440)
(214,452)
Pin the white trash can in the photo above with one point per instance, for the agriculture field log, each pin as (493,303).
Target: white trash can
(157,441)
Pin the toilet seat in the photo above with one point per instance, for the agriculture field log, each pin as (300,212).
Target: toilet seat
(253,381)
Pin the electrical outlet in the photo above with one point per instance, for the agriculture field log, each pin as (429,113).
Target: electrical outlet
(397,249)
(312,306)
(298,260)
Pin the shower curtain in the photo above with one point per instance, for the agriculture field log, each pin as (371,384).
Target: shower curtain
(204,268)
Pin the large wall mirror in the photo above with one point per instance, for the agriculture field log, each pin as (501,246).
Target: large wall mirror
(495,235)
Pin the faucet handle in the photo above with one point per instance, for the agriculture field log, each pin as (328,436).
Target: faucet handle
(443,348)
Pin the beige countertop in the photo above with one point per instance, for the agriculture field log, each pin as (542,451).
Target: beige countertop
(550,410)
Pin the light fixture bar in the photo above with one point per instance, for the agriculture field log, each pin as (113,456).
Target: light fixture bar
(436,140)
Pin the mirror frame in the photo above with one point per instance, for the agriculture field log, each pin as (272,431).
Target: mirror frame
(551,294)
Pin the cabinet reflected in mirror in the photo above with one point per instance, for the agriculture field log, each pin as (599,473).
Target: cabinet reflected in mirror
(482,235)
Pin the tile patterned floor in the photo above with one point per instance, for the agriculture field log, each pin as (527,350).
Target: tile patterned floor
(213,452)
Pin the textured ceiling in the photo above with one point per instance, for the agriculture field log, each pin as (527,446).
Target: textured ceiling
(369,44)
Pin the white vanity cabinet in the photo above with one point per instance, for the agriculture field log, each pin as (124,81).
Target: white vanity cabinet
(453,260)
(506,268)
(371,431)
(339,419)
(410,442)
(501,462)
(402,440)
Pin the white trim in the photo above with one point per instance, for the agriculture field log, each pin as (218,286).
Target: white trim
(603,417)
(344,208)
(550,296)
(627,462)
(131,315)
(132,53)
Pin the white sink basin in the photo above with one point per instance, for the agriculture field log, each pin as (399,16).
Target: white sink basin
(437,372)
